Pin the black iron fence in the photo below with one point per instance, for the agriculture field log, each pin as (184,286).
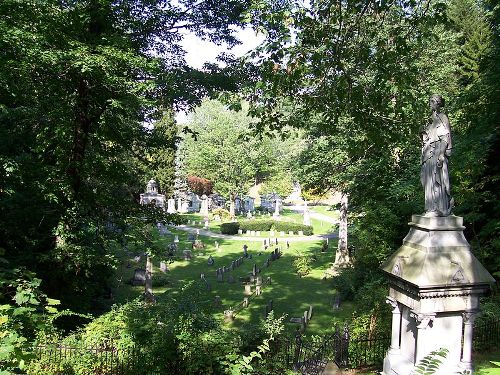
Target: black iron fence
(486,335)
(298,353)
(309,357)
(83,360)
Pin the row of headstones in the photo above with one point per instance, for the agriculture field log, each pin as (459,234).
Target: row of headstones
(194,222)
(257,233)
(304,319)
(219,273)
(229,314)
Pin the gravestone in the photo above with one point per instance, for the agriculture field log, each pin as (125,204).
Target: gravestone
(300,233)
(217,301)
(216,245)
(217,218)
(435,282)
(257,233)
(202,276)
(245,250)
(282,234)
(230,279)
(240,231)
(198,244)
(272,234)
(139,277)
(310,313)
(336,302)
(233,265)
(266,263)
(137,258)
(220,277)
(187,255)
(228,315)
(258,290)
(254,270)
(176,238)
(210,261)
(248,289)
(208,285)
(163,267)
(290,233)
(245,302)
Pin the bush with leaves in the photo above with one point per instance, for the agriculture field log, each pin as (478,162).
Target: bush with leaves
(26,315)
(174,335)
(261,225)
(287,226)
(302,265)
(229,228)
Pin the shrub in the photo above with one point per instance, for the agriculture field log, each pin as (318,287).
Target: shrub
(262,225)
(200,185)
(302,265)
(229,228)
(223,214)
(287,226)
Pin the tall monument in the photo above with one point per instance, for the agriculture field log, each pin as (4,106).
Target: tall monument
(435,280)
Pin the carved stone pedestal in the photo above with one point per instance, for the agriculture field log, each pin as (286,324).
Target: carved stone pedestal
(435,285)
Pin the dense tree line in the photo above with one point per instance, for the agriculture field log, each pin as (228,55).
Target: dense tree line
(87,94)
(357,77)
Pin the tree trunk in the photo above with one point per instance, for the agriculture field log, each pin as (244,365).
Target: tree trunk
(342,255)
(148,285)
(232,206)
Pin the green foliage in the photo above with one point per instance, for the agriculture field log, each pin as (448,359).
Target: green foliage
(302,265)
(262,225)
(287,226)
(431,362)
(229,228)
(223,214)
(25,314)
(174,335)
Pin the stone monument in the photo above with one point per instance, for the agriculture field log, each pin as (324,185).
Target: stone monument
(204,206)
(307,216)
(151,196)
(435,281)
(171,206)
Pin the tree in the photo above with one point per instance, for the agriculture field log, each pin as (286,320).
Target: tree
(79,82)
(220,152)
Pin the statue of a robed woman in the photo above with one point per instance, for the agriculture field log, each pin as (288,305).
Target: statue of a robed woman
(436,148)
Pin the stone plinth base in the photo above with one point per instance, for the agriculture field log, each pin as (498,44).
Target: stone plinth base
(435,285)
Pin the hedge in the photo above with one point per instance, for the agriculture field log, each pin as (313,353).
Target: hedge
(229,228)
(262,225)
(287,226)
(267,225)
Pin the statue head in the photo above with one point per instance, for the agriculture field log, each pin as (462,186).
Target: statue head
(436,101)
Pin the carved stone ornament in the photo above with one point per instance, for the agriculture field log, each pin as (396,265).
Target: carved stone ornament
(397,269)
(459,275)
(424,320)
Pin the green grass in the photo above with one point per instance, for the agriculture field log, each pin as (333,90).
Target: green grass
(291,294)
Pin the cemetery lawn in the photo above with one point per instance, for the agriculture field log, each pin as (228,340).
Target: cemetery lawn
(290,293)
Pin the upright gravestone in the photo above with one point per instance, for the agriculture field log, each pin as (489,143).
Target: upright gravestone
(307,216)
(245,251)
(210,260)
(435,281)
(171,206)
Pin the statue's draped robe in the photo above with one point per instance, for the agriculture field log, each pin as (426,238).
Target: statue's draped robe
(434,174)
